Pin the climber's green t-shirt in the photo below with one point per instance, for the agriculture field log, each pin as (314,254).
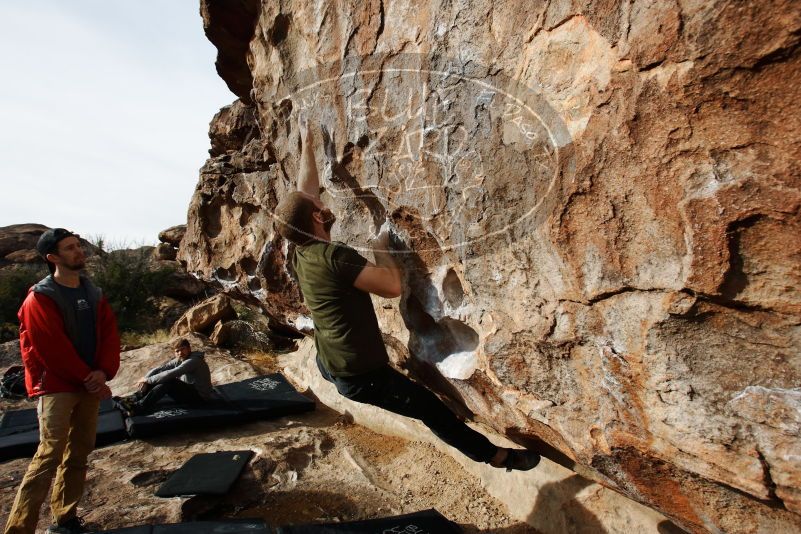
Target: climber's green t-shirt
(346,331)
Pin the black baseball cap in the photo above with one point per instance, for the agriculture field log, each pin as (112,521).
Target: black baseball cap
(48,242)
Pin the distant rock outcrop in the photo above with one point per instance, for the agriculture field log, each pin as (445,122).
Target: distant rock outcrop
(173,235)
(18,244)
(19,237)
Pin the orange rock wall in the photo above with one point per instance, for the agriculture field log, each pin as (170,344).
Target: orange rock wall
(597,206)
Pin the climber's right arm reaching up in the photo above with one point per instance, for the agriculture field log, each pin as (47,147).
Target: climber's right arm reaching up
(308,179)
(384,277)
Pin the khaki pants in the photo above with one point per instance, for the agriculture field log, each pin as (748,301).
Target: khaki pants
(67,426)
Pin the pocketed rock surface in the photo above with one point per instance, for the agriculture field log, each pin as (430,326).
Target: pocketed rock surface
(597,207)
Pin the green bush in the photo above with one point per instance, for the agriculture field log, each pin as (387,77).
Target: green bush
(14,285)
(128,279)
(128,282)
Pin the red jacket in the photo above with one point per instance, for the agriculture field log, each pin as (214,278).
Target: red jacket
(52,365)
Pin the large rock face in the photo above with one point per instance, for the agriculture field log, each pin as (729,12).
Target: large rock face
(597,207)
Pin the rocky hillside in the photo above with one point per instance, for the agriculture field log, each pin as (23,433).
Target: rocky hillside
(596,205)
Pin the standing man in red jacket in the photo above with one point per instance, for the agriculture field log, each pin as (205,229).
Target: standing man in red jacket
(70,349)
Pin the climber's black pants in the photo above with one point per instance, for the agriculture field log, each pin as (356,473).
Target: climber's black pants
(390,390)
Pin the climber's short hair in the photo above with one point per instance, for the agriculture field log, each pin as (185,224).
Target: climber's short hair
(182,342)
(293,218)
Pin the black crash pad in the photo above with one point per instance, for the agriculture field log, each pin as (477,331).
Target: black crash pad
(266,396)
(262,397)
(250,526)
(147,529)
(170,417)
(234,526)
(425,522)
(16,421)
(206,474)
(19,431)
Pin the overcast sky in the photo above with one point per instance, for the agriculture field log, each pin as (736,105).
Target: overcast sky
(104,112)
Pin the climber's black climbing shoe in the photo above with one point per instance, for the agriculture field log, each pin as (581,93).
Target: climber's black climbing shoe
(520,460)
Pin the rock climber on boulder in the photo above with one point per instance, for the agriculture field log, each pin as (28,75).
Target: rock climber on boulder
(336,282)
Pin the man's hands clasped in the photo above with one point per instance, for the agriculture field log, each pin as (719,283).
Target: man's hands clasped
(95,383)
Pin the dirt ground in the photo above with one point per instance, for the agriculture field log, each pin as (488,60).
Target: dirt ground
(313,467)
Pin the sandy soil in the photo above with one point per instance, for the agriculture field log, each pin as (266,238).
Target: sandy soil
(308,468)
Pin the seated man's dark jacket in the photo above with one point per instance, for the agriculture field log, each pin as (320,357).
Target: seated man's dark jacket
(193,371)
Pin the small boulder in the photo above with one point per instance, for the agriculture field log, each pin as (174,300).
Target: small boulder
(203,316)
(24,256)
(164,252)
(221,333)
(241,335)
(173,235)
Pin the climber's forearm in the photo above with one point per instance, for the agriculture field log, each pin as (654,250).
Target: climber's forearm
(383,257)
(308,179)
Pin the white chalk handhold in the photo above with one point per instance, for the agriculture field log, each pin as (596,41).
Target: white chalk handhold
(459,366)
(387,227)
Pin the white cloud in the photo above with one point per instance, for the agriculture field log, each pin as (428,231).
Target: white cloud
(104,107)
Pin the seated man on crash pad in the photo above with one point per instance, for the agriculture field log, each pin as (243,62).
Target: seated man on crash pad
(185,378)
